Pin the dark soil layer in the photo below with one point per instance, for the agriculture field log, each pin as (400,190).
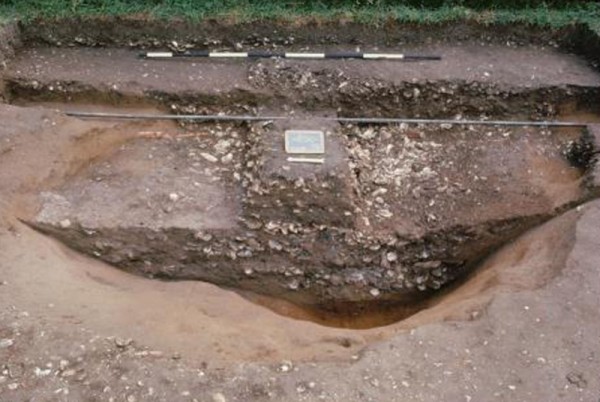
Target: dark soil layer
(143,31)
(9,41)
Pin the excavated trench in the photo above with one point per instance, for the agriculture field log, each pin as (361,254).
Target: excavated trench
(395,219)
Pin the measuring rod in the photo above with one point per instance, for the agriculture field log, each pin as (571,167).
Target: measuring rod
(260,54)
(361,120)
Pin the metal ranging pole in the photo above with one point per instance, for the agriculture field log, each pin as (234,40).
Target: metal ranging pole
(357,120)
(260,54)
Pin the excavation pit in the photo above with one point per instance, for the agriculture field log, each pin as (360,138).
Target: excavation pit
(395,214)
(396,217)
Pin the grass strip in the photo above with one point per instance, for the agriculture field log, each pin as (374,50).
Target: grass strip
(563,12)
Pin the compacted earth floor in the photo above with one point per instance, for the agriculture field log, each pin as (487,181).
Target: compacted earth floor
(522,327)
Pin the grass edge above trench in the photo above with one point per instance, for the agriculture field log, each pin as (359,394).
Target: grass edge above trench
(587,13)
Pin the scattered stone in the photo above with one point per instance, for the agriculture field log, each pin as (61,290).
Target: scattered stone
(209,157)
(375,292)
(428,264)
(5,343)
(218,397)
(577,379)
(227,158)
(285,367)
(379,191)
(203,236)
(274,245)
(174,197)
(41,372)
(65,223)
(368,134)
(222,146)
(391,256)
(123,343)
(385,213)
(253,224)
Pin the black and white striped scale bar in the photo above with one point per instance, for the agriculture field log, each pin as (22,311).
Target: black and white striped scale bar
(259,54)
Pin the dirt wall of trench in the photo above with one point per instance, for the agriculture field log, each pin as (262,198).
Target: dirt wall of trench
(139,31)
(382,98)
(10,41)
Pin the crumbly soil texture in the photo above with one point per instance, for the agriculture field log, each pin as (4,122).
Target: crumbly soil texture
(400,221)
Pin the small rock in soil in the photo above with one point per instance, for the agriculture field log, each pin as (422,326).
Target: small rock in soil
(209,157)
(218,397)
(577,379)
(392,256)
(123,343)
(5,343)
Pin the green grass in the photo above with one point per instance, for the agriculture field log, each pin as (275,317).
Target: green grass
(553,13)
